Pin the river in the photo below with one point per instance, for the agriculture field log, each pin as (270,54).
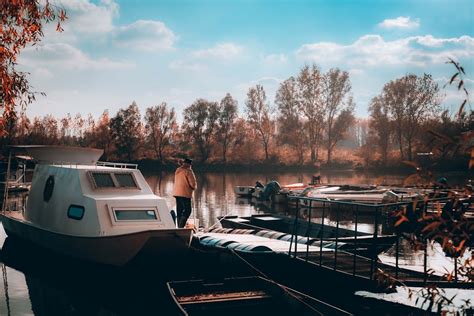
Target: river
(31,288)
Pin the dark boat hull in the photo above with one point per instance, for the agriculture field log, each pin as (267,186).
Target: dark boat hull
(245,296)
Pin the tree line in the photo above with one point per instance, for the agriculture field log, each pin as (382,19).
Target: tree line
(311,117)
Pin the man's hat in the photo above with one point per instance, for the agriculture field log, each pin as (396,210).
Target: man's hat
(187,160)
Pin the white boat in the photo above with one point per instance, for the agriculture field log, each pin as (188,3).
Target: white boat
(99,212)
(244,190)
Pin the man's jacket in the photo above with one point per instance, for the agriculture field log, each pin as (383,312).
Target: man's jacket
(184,182)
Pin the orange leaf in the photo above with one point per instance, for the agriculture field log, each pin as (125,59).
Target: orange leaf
(461,245)
(401,220)
(59,28)
(431,227)
(471,161)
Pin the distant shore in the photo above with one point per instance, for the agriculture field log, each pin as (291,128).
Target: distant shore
(154,165)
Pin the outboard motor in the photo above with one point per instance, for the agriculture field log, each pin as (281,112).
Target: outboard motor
(272,188)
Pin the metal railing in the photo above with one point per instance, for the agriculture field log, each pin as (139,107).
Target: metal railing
(122,165)
(357,260)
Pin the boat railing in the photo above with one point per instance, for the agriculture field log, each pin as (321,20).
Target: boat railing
(122,165)
(354,262)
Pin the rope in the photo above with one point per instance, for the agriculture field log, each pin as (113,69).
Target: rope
(5,286)
(215,224)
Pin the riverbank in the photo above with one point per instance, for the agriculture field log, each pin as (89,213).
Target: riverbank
(150,165)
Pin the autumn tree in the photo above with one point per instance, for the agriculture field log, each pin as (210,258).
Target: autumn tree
(259,116)
(290,123)
(44,131)
(126,129)
(310,88)
(66,125)
(21,25)
(226,124)
(411,100)
(22,127)
(160,128)
(78,126)
(102,135)
(243,147)
(200,125)
(380,126)
(338,107)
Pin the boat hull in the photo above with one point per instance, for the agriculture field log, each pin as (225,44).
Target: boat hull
(114,250)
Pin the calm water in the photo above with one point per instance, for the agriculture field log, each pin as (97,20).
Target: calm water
(43,284)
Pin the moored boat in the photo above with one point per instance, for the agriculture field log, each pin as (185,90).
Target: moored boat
(354,241)
(100,212)
(245,296)
(244,191)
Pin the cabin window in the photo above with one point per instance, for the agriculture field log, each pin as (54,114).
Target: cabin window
(125,180)
(107,180)
(103,180)
(135,215)
(75,212)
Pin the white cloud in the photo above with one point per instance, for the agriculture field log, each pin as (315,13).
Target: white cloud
(203,59)
(373,50)
(145,35)
(356,71)
(219,51)
(65,56)
(186,65)
(87,17)
(95,21)
(275,59)
(42,73)
(402,22)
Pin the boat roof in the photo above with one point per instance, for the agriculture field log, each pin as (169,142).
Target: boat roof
(50,154)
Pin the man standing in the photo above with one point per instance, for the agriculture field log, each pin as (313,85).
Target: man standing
(184,185)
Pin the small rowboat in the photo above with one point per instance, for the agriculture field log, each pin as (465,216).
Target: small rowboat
(244,296)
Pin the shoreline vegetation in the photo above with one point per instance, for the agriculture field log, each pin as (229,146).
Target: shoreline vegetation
(310,126)
(151,165)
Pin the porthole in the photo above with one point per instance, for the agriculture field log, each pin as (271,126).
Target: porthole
(75,212)
(48,189)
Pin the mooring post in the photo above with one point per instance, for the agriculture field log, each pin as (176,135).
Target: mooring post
(355,239)
(425,254)
(456,270)
(321,236)
(337,235)
(7,179)
(397,246)
(294,233)
(425,262)
(308,232)
(373,259)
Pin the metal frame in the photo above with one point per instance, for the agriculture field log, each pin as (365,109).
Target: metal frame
(377,211)
(114,180)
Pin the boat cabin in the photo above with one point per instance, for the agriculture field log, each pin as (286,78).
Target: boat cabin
(71,191)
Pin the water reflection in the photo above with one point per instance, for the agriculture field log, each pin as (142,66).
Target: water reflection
(215,193)
(41,283)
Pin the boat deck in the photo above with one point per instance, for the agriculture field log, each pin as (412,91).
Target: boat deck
(233,240)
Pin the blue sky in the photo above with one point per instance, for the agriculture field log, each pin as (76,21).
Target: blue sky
(115,52)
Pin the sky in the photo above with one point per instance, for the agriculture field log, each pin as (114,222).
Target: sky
(112,53)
